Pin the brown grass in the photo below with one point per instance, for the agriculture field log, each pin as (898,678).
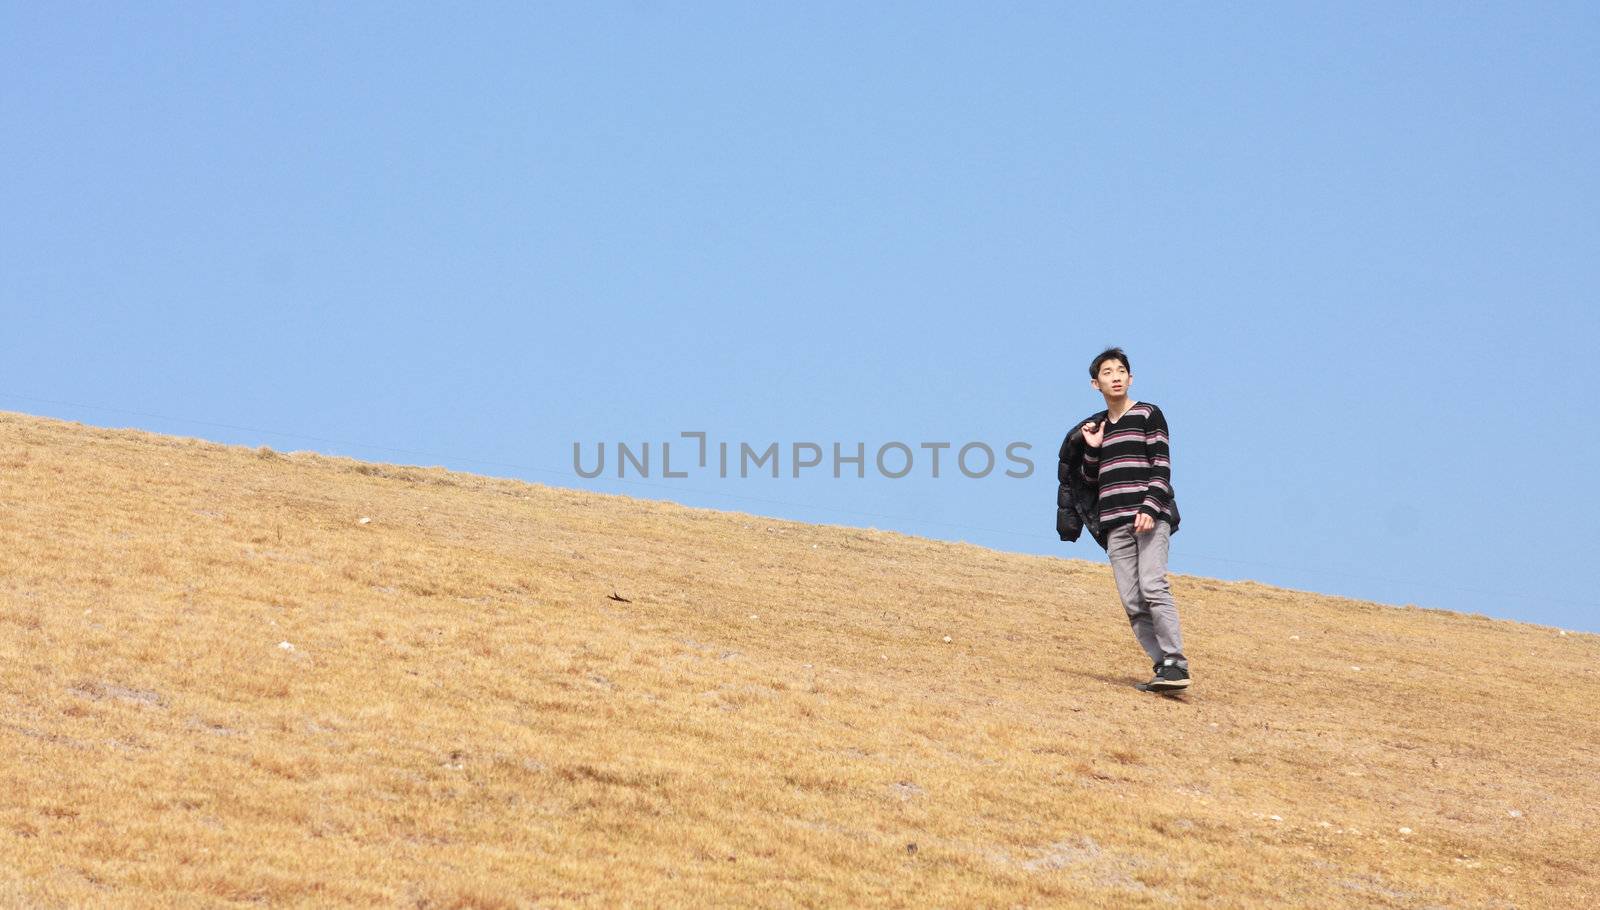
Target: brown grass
(467,720)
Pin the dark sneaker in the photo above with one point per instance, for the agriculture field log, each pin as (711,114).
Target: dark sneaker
(1169,677)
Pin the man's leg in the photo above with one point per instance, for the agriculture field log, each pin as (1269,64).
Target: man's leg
(1156,594)
(1124,552)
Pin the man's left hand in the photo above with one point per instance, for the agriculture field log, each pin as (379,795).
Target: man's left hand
(1143,523)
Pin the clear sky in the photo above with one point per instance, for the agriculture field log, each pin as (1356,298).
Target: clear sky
(1352,249)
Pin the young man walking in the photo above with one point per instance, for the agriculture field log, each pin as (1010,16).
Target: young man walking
(1116,479)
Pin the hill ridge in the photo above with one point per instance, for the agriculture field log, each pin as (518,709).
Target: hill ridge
(223,686)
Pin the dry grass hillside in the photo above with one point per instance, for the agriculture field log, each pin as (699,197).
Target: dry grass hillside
(232,677)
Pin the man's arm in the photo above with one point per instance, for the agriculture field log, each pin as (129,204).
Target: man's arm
(1091,465)
(1157,448)
(1092,434)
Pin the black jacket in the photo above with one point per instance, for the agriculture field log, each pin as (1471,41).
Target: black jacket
(1077,500)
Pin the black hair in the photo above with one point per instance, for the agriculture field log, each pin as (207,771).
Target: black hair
(1109,354)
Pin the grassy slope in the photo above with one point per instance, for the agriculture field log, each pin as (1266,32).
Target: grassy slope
(467,720)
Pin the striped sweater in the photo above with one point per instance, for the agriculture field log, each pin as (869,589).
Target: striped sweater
(1132,469)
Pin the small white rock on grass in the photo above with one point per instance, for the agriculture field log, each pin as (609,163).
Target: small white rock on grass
(285,646)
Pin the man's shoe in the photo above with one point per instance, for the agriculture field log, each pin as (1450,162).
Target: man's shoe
(1169,677)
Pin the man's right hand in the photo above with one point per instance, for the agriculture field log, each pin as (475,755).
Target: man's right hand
(1092,434)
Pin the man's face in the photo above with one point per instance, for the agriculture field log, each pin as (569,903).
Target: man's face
(1113,378)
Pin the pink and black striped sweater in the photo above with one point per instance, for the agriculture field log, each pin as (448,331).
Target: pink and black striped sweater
(1132,468)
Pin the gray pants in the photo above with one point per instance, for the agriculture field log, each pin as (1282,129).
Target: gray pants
(1139,563)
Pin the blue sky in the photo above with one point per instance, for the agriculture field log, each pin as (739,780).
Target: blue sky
(1352,249)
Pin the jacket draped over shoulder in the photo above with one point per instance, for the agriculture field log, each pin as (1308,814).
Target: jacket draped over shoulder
(1077,500)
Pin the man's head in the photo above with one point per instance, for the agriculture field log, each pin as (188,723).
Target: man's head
(1110,373)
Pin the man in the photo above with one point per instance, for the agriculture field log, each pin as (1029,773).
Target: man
(1116,479)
